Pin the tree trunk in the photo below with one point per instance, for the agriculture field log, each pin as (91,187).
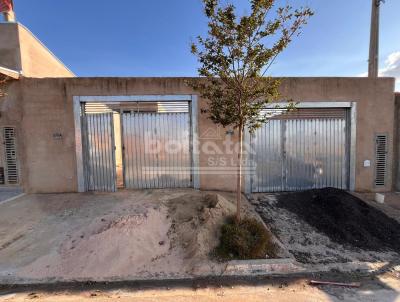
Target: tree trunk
(239,175)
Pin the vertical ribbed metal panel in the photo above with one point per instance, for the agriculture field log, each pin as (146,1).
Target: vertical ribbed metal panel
(268,158)
(99,152)
(293,154)
(156,150)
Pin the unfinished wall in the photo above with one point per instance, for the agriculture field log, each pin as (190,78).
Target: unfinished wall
(50,164)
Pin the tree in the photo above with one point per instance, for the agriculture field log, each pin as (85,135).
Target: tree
(234,58)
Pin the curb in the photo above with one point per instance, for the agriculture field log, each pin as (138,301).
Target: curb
(262,267)
(237,269)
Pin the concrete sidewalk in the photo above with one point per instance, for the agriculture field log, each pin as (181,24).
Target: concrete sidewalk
(7,193)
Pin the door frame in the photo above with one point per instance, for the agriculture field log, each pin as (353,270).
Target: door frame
(352,132)
(193,113)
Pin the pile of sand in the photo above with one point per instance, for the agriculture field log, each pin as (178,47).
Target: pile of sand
(172,239)
(195,228)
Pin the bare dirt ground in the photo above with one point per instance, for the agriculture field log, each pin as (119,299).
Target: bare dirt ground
(323,227)
(383,288)
(124,235)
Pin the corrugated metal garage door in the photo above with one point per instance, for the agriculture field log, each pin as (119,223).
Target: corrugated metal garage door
(136,145)
(302,150)
(156,150)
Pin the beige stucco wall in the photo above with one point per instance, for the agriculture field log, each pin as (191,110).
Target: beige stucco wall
(11,115)
(9,46)
(20,50)
(49,165)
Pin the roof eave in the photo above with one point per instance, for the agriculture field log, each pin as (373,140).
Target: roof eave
(10,73)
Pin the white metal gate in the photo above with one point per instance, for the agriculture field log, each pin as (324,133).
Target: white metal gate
(302,150)
(99,152)
(156,150)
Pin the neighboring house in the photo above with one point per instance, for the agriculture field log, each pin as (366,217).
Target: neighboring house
(68,134)
(22,52)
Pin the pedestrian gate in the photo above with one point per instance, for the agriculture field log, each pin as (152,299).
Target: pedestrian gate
(301,150)
(99,151)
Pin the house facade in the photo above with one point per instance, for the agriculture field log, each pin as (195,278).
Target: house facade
(68,134)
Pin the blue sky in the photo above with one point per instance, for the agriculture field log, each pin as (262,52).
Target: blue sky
(152,37)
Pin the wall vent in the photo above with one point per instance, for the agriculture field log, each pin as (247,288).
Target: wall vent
(380,159)
(2,179)
(10,155)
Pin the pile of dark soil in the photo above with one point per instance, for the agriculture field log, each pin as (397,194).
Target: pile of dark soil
(344,218)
